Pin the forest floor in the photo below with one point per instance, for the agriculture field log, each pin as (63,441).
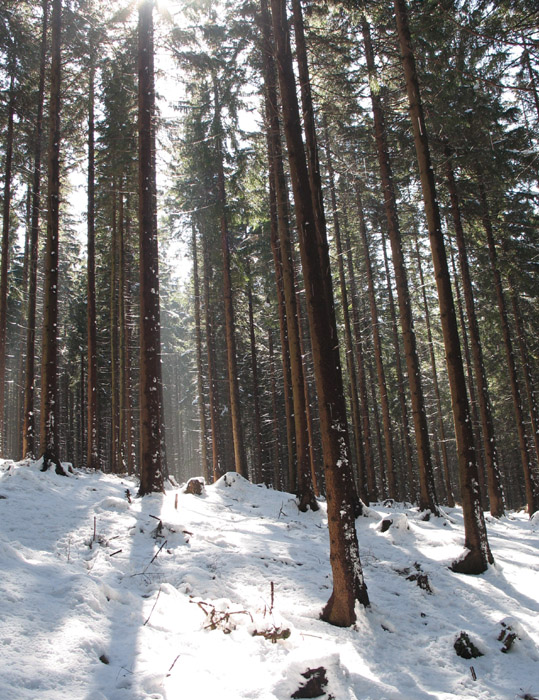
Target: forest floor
(176,596)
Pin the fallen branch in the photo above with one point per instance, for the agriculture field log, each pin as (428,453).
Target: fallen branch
(153,608)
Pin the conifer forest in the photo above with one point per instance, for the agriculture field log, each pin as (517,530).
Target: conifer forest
(297,240)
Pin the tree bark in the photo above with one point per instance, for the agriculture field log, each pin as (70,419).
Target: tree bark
(151,463)
(198,340)
(4,266)
(256,388)
(348,342)
(495,492)
(348,583)
(479,556)
(411,491)
(532,488)
(28,428)
(380,371)
(436,385)
(303,483)
(427,494)
(240,460)
(49,362)
(92,449)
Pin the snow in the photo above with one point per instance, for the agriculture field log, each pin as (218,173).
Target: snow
(221,597)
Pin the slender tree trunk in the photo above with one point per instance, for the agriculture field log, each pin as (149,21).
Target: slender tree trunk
(367,477)
(411,491)
(526,369)
(471,384)
(495,492)
(240,460)
(434,370)
(114,340)
(479,556)
(127,304)
(348,583)
(4,266)
(28,429)
(290,476)
(352,375)
(378,357)
(303,484)
(92,449)
(198,340)
(276,460)
(256,388)
(213,391)
(427,495)
(151,447)
(532,488)
(49,364)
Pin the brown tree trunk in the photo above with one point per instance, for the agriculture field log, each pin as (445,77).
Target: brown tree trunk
(367,477)
(303,483)
(495,492)
(526,369)
(427,495)
(290,476)
(213,391)
(49,363)
(4,266)
(92,449)
(348,583)
(479,556)
(28,428)
(257,420)
(411,490)
(275,481)
(113,329)
(378,358)
(471,384)
(436,385)
(240,460)
(151,447)
(198,340)
(348,342)
(532,488)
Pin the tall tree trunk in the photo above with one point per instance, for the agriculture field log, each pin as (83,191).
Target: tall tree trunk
(303,483)
(532,488)
(198,340)
(479,556)
(4,266)
(349,349)
(151,464)
(492,463)
(380,371)
(436,385)
(290,476)
(348,584)
(113,329)
(526,368)
(427,495)
(240,460)
(49,363)
(92,449)
(213,391)
(367,477)
(123,351)
(28,428)
(411,490)
(471,384)
(256,387)
(275,481)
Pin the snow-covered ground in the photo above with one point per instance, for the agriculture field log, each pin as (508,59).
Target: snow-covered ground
(218,596)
